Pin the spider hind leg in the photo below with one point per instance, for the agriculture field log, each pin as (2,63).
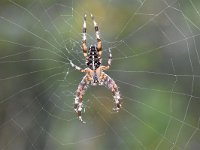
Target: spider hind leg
(110,84)
(78,102)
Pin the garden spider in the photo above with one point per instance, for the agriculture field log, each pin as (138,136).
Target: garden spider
(94,71)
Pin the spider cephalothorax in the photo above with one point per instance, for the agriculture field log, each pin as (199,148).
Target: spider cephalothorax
(94,71)
(93,61)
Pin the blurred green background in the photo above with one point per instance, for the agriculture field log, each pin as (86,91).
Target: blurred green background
(156,64)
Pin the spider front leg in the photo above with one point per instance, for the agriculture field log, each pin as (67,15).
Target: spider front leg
(78,103)
(110,84)
(99,44)
(84,45)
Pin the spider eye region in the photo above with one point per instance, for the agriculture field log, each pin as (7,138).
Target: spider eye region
(92,48)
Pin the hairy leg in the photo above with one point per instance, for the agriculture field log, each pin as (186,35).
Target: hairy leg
(78,103)
(110,84)
(84,46)
(99,44)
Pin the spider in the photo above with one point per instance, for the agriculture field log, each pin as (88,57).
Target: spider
(94,71)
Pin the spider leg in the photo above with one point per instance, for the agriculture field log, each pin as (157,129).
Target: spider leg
(75,66)
(99,44)
(78,102)
(109,61)
(110,84)
(110,57)
(84,46)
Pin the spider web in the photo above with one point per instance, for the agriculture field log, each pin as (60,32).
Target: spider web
(156,64)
